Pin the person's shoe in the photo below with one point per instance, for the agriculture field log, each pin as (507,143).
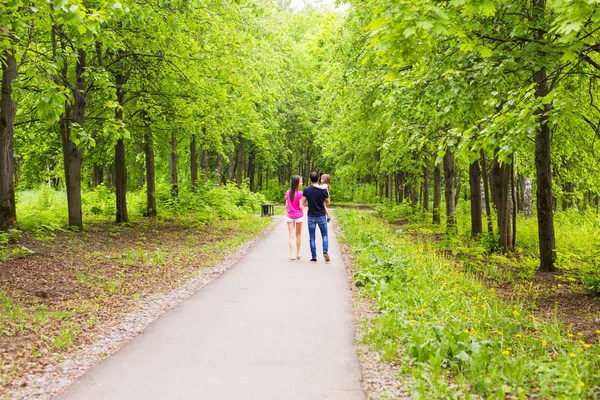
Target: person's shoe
(326,257)
(313,259)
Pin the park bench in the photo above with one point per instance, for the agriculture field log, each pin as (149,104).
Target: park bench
(267,210)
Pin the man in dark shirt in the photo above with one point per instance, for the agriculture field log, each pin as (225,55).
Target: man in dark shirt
(316,199)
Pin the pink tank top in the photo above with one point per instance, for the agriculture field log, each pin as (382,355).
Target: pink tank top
(294,210)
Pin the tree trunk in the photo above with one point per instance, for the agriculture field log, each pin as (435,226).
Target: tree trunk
(204,164)
(230,166)
(414,195)
(259,179)
(521,193)
(544,177)
(527,197)
(98,176)
(121,181)
(500,177)
(150,174)
(449,176)
(71,153)
(8,210)
(426,188)
(514,203)
(120,162)
(173,166)
(390,188)
(194,162)
(486,192)
(108,174)
(437,194)
(240,161)
(401,185)
(219,169)
(251,170)
(475,185)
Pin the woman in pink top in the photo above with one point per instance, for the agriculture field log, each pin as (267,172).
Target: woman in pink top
(295,216)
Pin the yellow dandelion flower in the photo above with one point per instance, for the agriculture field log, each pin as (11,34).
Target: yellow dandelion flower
(587,346)
(580,334)
(505,352)
(483,306)
(572,355)
(581,342)
(518,335)
(570,335)
(492,290)
(544,343)
(581,384)
(372,332)
(412,321)
(515,313)
(424,304)
(473,331)
(420,312)
(474,297)
(598,332)
(499,333)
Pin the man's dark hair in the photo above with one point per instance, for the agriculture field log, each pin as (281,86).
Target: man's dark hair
(314,177)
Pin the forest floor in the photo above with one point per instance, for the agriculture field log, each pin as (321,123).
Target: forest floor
(435,309)
(555,295)
(60,290)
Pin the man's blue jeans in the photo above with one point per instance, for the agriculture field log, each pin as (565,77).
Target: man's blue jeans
(312,225)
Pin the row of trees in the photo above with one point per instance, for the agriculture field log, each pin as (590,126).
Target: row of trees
(123,93)
(500,91)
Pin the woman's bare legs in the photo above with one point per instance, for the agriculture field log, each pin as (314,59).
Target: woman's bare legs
(291,239)
(298,239)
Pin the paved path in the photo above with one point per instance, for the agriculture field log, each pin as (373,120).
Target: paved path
(269,328)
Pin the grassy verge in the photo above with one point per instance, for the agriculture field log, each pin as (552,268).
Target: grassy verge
(455,337)
(70,285)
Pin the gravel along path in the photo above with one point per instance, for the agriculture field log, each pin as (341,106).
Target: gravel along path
(269,328)
(59,376)
(380,379)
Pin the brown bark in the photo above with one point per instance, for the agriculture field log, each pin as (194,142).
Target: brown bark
(150,174)
(426,188)
(219,169)
(120,162)
(230,166)
(194,162)
(98,176)
(71,153)
(8,210)
(389,187)
(449,177)
(500,180)
(251,170)
(173,178)
(486,192)
(475,185)
(544,178)
(240,161)
(514,203)
(437,194)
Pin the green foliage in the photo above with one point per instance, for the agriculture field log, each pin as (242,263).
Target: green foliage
(444,327)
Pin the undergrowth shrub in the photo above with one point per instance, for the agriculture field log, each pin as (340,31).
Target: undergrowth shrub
(454,336)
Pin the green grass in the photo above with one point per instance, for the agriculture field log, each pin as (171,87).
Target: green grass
(453,336)
(577,243)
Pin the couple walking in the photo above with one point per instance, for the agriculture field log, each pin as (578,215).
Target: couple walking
(316,197)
